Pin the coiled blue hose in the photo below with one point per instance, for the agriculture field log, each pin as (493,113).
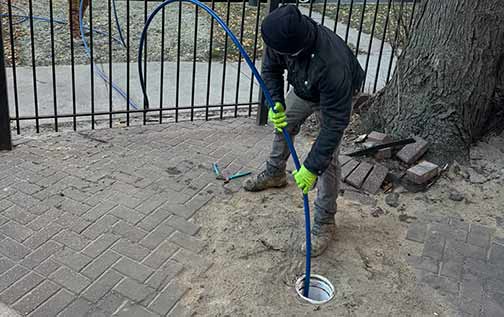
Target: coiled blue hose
(269,100)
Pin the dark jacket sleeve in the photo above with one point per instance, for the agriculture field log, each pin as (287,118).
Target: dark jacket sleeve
(273,75)
(335,111)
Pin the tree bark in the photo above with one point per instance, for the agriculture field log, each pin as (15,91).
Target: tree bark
(449,80)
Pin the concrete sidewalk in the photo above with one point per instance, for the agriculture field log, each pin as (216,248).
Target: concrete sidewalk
(217,93)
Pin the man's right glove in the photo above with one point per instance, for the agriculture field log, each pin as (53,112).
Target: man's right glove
(279,118)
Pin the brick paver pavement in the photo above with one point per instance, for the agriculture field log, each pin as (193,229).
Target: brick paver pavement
(463,262)
(99,222)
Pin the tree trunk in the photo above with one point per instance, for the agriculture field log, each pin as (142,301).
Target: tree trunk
(449,81)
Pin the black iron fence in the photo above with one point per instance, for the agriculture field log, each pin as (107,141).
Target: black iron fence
(69,65)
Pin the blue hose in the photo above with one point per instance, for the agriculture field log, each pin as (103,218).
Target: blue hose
(269,100)
(120,40)
(119,30)
(98,70)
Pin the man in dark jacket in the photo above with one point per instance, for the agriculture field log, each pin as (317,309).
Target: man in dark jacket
(324,75)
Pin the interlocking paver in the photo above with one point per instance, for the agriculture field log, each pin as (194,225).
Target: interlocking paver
(164,274)
(111,302)
(128,231)
(497,254)
(36,297)
(71,280)
(101,244)
(154,219)
(161,254)
(127,214)
(72,240)
(20,287)
(183,225)
(156,236)
(491,308)
(417,232)
(472,288)
(5,264)
(479,235)
(44,219)
(102,286)
(16,231)
(11,276)
(151,204)
(423,263)
(54,305)
(102,225)
(168,298)
(74,260)
(192,261)
(99,210)
(42,236)
(133,269)
(47,267)
(101,228)
(41,254)
(74,223)
(188,242)
(131,250)
(100,264)
(434,246)
(18,214)
(133,290)
(470,276)
(13,249)
(79,307)
(135,310)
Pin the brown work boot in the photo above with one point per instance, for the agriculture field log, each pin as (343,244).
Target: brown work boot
(264,181)
(322,235)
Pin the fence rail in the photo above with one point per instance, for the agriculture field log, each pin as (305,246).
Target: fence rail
(64,75)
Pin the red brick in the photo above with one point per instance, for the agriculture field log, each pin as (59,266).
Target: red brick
(378,137)
(375,179)
(422,172)
(410,153)
(348,168)
(358,176)
(343,159)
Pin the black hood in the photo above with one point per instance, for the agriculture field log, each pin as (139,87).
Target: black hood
(287,31)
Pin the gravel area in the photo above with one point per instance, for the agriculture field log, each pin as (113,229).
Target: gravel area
(101,42)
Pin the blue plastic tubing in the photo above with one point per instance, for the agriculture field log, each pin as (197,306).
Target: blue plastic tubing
(269,100)
(98,70)
(25,17)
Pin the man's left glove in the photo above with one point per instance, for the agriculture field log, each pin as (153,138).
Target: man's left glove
(304,179)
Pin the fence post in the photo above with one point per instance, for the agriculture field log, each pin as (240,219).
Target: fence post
(5,131)
(262,110)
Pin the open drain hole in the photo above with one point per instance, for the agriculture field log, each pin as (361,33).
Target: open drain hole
(321,290)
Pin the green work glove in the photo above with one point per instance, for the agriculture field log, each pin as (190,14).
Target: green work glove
(279,118)
(304,179)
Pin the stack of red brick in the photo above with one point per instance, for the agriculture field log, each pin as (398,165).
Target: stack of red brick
(369,177)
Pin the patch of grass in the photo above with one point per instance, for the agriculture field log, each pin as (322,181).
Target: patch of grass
(394,23)
(235,24)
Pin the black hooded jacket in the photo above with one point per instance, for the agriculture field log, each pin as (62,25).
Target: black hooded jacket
(326,71)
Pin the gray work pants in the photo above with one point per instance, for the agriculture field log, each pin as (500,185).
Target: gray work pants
(328,183)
